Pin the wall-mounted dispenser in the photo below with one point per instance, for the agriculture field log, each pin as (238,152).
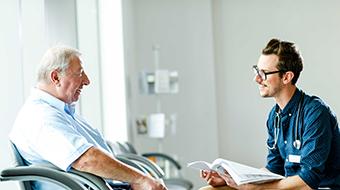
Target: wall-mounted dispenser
(156,83)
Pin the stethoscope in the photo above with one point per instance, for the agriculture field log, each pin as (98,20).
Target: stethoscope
(297,138)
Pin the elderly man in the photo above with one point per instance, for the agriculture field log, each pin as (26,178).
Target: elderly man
(48,131)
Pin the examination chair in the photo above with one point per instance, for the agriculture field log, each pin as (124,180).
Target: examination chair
(125,149)
(72,180)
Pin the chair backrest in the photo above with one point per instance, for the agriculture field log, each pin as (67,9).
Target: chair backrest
(142,163)
(18,160)
(117,148)
(129,147)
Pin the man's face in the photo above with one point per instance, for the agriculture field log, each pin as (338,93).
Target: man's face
(71,83)
(269,84)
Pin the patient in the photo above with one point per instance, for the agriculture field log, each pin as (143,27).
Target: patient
(48,131)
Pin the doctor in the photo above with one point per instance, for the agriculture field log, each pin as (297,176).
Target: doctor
(303,134)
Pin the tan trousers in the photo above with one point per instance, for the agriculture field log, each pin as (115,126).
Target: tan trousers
(216,188)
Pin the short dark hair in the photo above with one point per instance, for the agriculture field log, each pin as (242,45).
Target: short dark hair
(290,58)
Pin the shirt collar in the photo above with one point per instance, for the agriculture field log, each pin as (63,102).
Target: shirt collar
(39,94)
(293,103)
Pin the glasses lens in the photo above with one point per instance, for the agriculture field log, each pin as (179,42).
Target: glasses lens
(258,72)
(255,70)
(262,74)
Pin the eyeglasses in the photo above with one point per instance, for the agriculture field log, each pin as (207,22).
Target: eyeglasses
(262,73)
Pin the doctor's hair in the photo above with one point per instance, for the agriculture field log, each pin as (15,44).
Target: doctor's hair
(55,58)
(290,58)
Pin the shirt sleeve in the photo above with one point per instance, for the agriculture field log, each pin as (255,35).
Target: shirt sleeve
(57,141)
(316,144)
(61,147)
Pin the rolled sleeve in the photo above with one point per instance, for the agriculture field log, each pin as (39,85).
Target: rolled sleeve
(310,177)
(73,157)
(60,147)
(317,146)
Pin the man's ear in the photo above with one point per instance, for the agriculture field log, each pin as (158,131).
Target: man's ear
(55,77)
(287,77)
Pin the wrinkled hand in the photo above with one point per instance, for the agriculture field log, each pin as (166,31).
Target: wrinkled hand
(212,178)
(149,184)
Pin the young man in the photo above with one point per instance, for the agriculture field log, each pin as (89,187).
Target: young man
(303,134)
(48,131)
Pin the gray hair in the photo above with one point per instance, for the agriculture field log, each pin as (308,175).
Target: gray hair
(55,58)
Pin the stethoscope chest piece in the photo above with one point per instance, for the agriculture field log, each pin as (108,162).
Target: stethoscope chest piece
(297,144)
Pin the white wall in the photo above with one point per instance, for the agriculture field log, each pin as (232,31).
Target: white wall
(23,40)
(238,31)
(11,98)
(183,31)
(242,29)
(88,43)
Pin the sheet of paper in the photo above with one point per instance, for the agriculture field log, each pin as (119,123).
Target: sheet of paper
(200,165)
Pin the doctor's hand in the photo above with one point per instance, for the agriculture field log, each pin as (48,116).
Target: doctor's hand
(228,180)
(231,183)
(212,178)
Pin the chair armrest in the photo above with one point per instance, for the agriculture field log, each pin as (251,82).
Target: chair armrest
(93,181)
(164,156)
(150,166)
(29,173)
(131,163)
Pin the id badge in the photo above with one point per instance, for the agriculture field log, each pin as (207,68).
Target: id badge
(294,158)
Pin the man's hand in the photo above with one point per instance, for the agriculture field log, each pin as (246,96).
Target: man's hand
(212,178)
(148,183)
(228,179)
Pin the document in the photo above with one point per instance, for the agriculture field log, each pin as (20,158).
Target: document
(240,173)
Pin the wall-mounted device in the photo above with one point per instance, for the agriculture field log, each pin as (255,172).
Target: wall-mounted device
(158,82)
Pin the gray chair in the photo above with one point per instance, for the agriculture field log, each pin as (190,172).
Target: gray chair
(72,180)
(173,183)
(139,162)
(128,147)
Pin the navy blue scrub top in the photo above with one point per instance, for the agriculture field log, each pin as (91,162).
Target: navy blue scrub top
(317,162)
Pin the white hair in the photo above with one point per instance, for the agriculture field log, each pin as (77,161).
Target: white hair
(55,58)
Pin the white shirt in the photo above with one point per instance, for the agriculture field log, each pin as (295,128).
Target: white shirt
(47,131)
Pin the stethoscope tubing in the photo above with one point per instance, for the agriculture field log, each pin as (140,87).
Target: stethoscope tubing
(277,123)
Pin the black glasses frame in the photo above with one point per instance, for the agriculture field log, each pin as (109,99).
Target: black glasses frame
(264,74)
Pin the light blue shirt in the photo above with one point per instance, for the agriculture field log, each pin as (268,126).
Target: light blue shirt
(48,131)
